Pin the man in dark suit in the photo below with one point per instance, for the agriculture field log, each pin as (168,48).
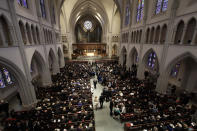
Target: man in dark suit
(95,82)
(101,100)
(111,105)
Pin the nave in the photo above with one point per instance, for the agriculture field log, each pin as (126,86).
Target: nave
(68,104)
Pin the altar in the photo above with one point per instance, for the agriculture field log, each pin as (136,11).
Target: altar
(89,50)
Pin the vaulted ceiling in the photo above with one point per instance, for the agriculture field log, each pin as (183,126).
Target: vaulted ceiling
(102,10)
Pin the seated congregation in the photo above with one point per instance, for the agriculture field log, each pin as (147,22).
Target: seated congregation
(61,106)
(136,102)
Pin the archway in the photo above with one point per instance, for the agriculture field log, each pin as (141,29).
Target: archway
(150,64)
(28,30)
(6,31)
(190,31)
(163,34)
(179,32)
(133,61)
(88,30)
(147,36)
(13,82)
(39,70)
(157,35)
(152,34)
(60,58)
(123,58)
(182,73)
(22,29)
(133,57)
(53,62)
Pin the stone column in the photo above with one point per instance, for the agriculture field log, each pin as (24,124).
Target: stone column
(194,37)
(12,35)
(159,40)
(27,89)
(3,36)
(154,35)
(183,35)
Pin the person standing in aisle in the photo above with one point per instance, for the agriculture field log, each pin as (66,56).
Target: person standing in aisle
(95,83)
(101,100)
(111,105)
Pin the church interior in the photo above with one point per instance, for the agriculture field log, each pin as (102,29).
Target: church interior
(98,65)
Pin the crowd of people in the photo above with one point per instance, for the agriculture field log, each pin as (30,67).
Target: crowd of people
(66,105)
(62,106)
(138,104)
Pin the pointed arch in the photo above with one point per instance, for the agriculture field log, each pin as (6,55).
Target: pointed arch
(183,77)
(179,58)
(123,58)
(39,69)
(20,80)
(133,57)
(6,31)
(163,34)
(179,32)
(137,37)
(53,62)
(147,35)
(28,30)
(152,34)
(191,26)
(157,35)
(150,61)
(60,58)
(23,32)
(33,34)
(132,37)
(140,37)
(38,34)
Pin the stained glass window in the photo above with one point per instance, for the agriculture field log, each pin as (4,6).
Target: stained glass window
(7,76)
(175,70)
(2,84)
(140,10)
(152,60)
(137,58)
(19,2)
(158,6)
(127,16)
(161,6)
(25,3)
(165,5)
(42,6)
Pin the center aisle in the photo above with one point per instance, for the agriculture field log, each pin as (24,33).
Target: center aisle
(103,120)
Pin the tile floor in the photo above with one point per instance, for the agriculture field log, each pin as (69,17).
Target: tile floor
(103,120)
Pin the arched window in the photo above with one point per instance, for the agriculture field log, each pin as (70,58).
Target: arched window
(127,15)
(140,10)
(23,3)
(2,83)
(151,60)
(38,34)
(175,70)
(5,78)
(161,6)
(43,10)
(6,31)
(22,29)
